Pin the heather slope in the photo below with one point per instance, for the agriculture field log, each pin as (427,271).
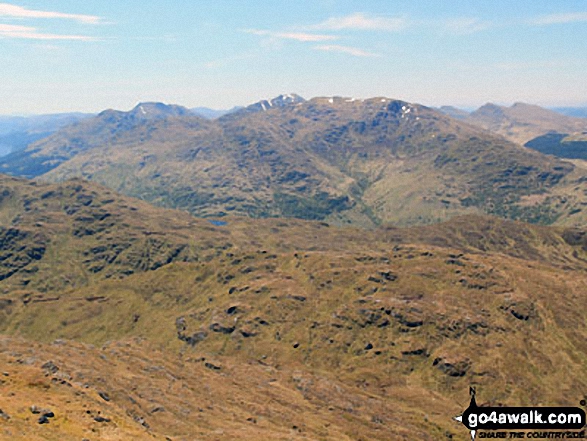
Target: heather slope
(356,329)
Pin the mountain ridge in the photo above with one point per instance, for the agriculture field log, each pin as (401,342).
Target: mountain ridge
(522,122)
(332,158)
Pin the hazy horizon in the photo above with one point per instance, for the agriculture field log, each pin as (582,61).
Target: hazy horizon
(132,106)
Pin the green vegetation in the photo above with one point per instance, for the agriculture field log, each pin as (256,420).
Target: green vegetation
(558,144)
(316,208)
(28,164)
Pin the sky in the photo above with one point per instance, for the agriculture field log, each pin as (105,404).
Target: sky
(71,55)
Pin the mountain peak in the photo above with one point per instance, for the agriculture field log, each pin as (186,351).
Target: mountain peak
(489,107)
(279,101)
(158,110)
(489,110)
(290,98)
(144,111)
(454,112)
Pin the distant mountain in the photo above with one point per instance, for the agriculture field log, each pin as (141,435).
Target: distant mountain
(208,113)
(107,128)
(454,112)
(45,123)
(547,131)
(523,122)
(277,102)
(263,105)
(145,112)
(17,132)
(362,162)
(576,112)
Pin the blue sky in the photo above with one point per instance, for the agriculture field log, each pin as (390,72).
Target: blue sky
(68,55)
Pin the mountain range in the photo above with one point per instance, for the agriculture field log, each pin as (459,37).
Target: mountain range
(346,161)
(540,129)
(206,112)
(521,123)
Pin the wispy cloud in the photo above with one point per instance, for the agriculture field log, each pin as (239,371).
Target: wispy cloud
(563,18)
(356,52)
(363,22)
(298,36)
(31,33)
(464,25)
(8,10)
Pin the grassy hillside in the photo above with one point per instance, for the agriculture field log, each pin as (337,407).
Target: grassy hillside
(134,390)
(284,328)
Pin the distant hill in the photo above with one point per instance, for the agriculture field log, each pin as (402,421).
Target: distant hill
(454,112)
(147,111)
(576,112)
(208,113)
(522,122)
(277,102)
(17,132)
(361,162)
